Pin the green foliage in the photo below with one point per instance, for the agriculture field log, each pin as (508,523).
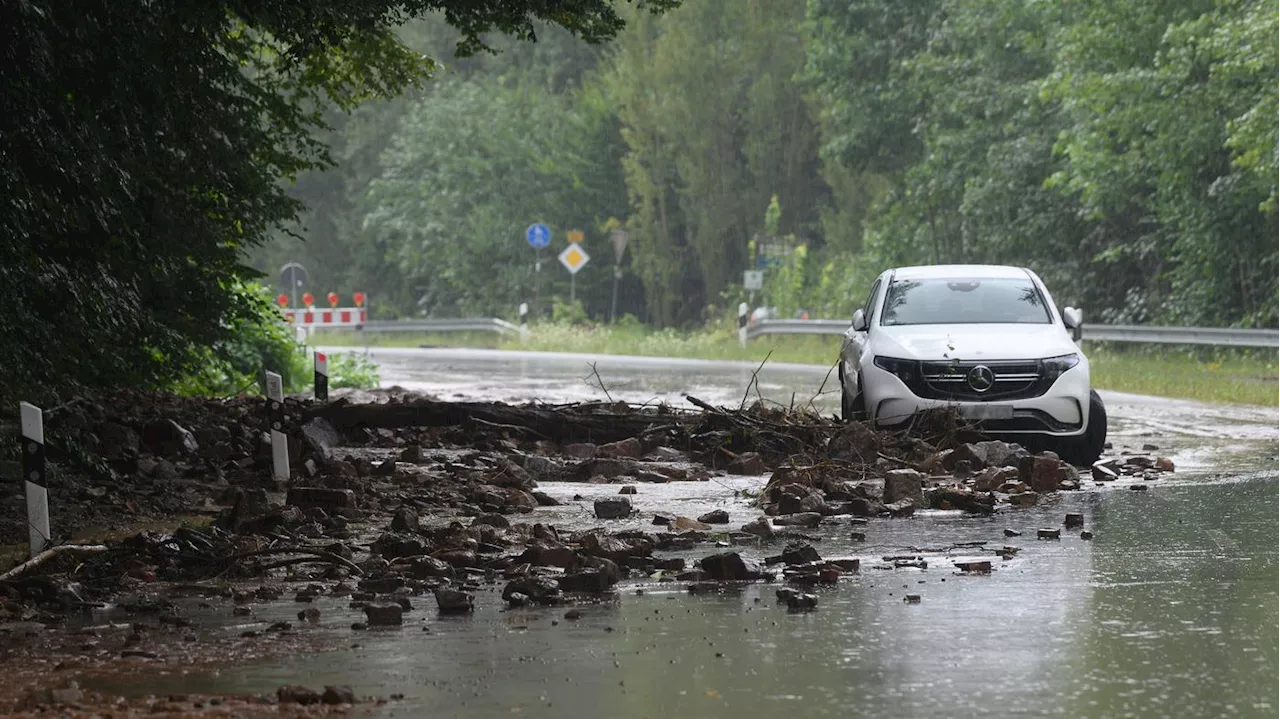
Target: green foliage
(350,370)
(253,344)
(148,146)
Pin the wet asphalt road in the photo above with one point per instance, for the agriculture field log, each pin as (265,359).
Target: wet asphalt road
(1171,610)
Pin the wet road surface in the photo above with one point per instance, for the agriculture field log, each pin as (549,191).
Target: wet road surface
(1170,610)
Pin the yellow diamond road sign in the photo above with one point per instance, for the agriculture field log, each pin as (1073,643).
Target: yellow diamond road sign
(573,258)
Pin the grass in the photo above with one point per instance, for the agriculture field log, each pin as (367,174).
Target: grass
(1210,374)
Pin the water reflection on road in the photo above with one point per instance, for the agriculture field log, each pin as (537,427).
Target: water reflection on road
(1171,610)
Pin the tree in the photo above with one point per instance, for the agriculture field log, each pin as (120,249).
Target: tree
(147,147)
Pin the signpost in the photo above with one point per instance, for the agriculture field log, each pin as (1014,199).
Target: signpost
(752,280)
(576,236)
(538,236)
(574,258)
(618,238)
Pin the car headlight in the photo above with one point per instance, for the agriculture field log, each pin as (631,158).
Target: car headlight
(905,370)
(1054,367)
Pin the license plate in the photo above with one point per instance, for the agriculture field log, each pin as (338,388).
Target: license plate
(987,411)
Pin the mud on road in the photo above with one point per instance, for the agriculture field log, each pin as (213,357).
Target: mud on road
(402,504)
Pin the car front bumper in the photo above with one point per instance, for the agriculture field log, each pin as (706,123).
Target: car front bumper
(1062,411)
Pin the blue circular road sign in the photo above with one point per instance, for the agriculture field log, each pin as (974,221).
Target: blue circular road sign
(538,235)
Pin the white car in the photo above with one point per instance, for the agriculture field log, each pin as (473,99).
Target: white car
(985,339)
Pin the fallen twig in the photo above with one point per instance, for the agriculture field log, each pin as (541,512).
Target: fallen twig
(47,554)
(599,381)
(755,379)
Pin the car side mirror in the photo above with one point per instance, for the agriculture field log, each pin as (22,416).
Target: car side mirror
(859,320)
(1073,318)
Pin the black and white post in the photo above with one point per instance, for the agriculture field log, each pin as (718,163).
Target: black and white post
(275,414)
(33,474)
(742,324)
(322,377)
(524,321)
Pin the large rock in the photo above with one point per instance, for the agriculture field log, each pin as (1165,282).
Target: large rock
(976,458)
(747,463)
(539,590)
(322,497)
(393,546)
(629,448)
(384,615)
(613,508)
(855,443)
(404,520)
(598,545)
(548,554)
(321,437)
(1045,472)
(994,452)
(715,516)
(430,567)
(592,581)
(168,438)
(991,478)
(453,601)
(800,519)
(117,441)
(902,484)
(760,527)
(796,498)
(730,567)
(800,553)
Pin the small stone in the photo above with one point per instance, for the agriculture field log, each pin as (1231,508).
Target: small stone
(613,508)
(802,602)
(338,695)
(1054,533)
(1086,535)
(295,694)
(1012,533)
(912,599)
(858,536)
(717,516)
(975,567)
(1164,464)
(760,527)
(1074,520)
(453,601)
(573,614)
(627,489)
(1138,487)
(384,615)
(405,520)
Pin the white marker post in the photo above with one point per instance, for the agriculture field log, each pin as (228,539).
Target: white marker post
(742,324)
(322,377)
(38,534)
(275,413)
(524,321)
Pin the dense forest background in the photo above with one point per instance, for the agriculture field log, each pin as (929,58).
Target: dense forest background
(1124,149)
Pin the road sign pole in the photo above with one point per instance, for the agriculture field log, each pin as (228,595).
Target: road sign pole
(39,537)
(742,324)
(613,306)
(537,280)
(573,285)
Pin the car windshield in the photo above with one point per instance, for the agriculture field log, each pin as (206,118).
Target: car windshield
(964,301)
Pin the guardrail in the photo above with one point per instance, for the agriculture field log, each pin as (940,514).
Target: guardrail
(466,324)
(1110,333)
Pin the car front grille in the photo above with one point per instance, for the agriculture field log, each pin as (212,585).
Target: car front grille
(1010,380)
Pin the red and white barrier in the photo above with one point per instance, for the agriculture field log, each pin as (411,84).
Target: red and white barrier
(320,318)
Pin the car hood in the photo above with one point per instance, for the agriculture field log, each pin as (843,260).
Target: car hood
(973,342)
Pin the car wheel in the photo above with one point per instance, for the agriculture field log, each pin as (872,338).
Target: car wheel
(1087,448)
(852,407)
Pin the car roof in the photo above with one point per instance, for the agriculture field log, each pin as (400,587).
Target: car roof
(924,272)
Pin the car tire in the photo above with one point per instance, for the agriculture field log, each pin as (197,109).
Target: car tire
(1084,450)
(852,407)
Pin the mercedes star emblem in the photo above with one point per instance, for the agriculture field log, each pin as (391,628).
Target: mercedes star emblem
(981,378)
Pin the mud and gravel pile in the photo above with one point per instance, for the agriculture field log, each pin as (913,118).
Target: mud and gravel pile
(404,496)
